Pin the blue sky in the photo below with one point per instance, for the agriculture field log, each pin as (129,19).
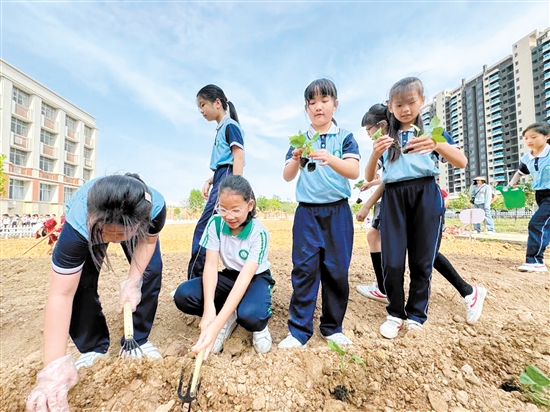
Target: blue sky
(137,66)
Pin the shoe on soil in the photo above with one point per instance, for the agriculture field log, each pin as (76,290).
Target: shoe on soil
(391,327)
(372,292)
(533,267)
(289,342)
(413,325)
(474,303)
(225,333)
(262,340)
(87,359)
(148,350)
(339,338)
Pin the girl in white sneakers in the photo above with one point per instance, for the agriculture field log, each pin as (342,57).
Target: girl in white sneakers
(240,293)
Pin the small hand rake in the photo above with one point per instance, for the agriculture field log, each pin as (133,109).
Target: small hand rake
(194,384)
(130,348)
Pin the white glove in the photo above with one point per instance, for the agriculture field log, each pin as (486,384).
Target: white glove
(130,291)
(52,386)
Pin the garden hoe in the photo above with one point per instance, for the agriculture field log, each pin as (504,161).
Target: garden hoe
(130,348)
(194,384)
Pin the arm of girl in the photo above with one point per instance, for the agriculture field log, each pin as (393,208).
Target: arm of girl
(206,187)
(514,181)
(131,287)
(378,148)
(363,213)
(293,165)
(208,335)
(238,160)
(209,283)
(452,154)
(348,167)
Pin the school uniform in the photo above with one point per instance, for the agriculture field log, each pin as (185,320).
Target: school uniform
(250,245)
(88,328)
(228,134)
(539,225)
(322,239)
(411,219)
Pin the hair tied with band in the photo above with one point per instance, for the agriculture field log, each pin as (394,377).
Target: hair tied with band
(148,197)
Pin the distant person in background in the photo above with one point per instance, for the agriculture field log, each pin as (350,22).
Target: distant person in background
(227,159)
(537,164)
(15,220)
(482,196)
(5,221)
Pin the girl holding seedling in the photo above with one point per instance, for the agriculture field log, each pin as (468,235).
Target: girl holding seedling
(377,119)
(110,209)
(323,223)
(537,164)
(240,293)
(411,215)
(227,158)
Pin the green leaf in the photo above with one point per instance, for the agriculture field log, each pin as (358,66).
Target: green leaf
(359,184)
(526,380)
(536,398)
(416,129)
(336,348)
(298,140)
(437,135)
(315,137)
(537,375)
(358,360)
(377,134)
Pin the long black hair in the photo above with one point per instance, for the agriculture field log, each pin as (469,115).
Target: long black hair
(377,113)
(212,92)
(123,200)
(321,87)
(240,186)
(402,86)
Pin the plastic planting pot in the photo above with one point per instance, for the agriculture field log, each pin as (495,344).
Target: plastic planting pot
(514,198)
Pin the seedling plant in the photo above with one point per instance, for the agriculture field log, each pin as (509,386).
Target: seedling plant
(301,141)
(341,392)
(358,186)
(535,385)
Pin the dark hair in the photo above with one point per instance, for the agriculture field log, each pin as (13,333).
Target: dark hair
(375,115)
(539,127)
(212,92)
(321,87)
(123,200)
(402,86)
(239,185)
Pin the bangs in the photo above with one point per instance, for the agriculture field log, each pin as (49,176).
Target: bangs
(407,85)
(321,87)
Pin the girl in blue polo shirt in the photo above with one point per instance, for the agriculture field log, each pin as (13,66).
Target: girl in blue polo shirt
(411,215)
(240,293)
(537,164)
(227,158)
(109,209)
(323,224)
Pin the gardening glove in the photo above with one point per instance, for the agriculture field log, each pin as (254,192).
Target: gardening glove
(130,291)
(52,386)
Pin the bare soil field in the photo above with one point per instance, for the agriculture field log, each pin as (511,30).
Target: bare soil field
(450,366)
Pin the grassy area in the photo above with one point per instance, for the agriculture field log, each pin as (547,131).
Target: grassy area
(503,225)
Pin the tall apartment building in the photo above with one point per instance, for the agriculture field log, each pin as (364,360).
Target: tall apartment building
(486,114)
(49,143)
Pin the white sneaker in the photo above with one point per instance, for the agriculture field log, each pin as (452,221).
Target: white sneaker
(147,349)
(225,333)
(289,342)
(391,327)
(339,338)
(413,325)
(262,340)
(87,359)
(533,267)
(372,292)
(474,303)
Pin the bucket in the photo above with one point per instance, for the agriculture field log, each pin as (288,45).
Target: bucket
(514,198)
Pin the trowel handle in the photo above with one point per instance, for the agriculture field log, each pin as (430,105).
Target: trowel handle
(196,373)
(128,322)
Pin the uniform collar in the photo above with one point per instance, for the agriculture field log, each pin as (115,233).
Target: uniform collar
(224,119)
(544,152)
(333,130)
(226,230)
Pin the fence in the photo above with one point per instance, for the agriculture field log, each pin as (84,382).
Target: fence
(505,214)
(16,232)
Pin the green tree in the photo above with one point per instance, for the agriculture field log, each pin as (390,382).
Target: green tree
(3,177)
(196,202)
(460,203)
(177,212)
(288,207)
(262,204)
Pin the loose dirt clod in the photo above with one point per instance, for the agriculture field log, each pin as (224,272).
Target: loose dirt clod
(341,393)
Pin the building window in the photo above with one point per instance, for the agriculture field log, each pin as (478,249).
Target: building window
(46,165)
(68,192)
(48,111)
(69,170)
(20,97)
(88,153)
(87,132)
(18,157)
(47,138)
(19,127)
(46,192)
(70,147)
(86,175)
(17,189)
(70,123)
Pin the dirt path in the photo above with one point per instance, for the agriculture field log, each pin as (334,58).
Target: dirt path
(451,366)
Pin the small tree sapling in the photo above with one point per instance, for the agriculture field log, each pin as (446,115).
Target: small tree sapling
(358,186)
(301,141)
(341,392)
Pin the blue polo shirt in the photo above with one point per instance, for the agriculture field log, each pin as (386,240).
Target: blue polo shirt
(228,134)
(410,166)
(324,185)
(538,167)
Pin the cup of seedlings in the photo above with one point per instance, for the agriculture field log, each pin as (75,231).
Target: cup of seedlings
(301,141)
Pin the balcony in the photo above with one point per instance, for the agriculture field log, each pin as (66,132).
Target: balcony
(20,111)
(498,162)
(496,123)
(494,77)
(493,86)
(497,146)
(70,180)
(546,57)
(497,140)
(498,154)
(495,100)
(49,124)
(20,170)
(47,175)
(88,142)
(20,142)
(88,163)
(71,158)
(48,151)
(494,93)
(71,134)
